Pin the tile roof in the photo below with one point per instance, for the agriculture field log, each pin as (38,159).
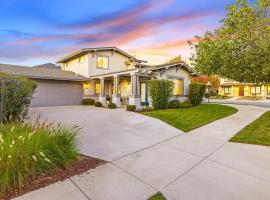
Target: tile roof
(41,73)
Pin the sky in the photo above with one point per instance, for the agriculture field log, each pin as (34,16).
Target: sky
(35,32)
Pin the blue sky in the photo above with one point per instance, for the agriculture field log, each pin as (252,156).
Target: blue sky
(35,32)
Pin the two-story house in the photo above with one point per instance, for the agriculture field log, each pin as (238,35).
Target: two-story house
(101,73)
(115,74)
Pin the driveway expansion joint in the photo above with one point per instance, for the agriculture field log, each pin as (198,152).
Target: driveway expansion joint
(84,194)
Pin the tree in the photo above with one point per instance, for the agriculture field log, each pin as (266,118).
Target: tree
(240,48)
(176,59)
(213,79)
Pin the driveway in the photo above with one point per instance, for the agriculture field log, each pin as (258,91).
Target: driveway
(201,164)
(108,134)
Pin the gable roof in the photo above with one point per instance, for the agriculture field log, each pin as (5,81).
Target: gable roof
(41,73)
(166,66)
(86,50)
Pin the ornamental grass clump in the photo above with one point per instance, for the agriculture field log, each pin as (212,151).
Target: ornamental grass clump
(29,151)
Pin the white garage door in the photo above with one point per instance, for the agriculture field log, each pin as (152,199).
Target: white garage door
(57,93)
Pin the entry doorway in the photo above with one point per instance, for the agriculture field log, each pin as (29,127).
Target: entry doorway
(144,94)
(241,91)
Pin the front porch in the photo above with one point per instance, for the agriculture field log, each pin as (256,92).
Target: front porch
(122,88)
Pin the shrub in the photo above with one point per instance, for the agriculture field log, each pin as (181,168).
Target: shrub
(196,93)
(146,109)
(131,108)
(30,151)
(174,103)
(185,104)
(112,105)
(160,92)
(88,101)
(98,104)
(17,94)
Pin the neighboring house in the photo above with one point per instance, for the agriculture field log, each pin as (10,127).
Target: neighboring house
(236,89)
(55,87)
(116,75)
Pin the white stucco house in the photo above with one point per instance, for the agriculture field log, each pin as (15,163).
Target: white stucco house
(101,73)
(115,74)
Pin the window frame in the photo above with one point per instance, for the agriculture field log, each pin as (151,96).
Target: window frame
(255,89)
(103,56)
(229,90)
(268,90)
(178,79)
(80,59)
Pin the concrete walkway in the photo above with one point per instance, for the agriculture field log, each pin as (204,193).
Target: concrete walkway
(261,103)
(198,165)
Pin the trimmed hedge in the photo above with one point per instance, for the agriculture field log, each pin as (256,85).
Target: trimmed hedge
(88,101)
(111,105)
(174,103)
(17,94)
(131,108)
(160,92)
(98,104)
(196,93)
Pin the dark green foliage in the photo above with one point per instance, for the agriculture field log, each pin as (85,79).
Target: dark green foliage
(131,108)
(160,91)
(146,109)
(174,103)
(185,104)
(196,93)
(17,96)
(88,101)
(157,196)
(98,104)
(111,105)
(29,151)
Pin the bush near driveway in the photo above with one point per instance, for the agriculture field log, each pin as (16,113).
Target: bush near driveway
(160,92)
(257,132)
(196,93)
(17,94)
(131,108)
(98,104)
(111,105)
(174,103)
(30,151)
(88,101)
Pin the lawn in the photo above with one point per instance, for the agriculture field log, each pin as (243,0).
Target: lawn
(257,132)
(187,119)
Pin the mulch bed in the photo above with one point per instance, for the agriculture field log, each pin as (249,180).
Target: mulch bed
(82,165)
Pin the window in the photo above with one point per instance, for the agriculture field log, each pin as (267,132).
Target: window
(81,59)
(103,62)
(268,90)
(65,66)
(255,90)
(227,90)
(178,87)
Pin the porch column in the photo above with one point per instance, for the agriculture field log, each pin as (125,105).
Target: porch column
(134,98)
(102,97)
(116,96)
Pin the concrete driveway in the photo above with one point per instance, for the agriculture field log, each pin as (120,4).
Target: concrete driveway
(108,134)
(201,164)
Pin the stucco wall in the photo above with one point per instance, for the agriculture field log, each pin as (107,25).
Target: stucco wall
(181,74)
(77,67)
(57,93)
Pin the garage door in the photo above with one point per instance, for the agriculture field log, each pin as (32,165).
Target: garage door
(57,93)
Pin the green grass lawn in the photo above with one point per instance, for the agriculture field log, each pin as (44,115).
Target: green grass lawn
(157,196)
(257,132)
(187,119)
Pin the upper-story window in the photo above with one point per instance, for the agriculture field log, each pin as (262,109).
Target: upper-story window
(65,66)
(81,59)
(103,62)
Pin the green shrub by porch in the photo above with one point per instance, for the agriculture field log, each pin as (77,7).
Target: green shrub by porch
(185,104)
(17,94)
(98,104)
(131,108)
(30,151)
(88,101)
(160,92)
(112,105)
(196,93)
(174,103)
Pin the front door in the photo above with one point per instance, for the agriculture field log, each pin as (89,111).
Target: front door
(144,94)
(241,91)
